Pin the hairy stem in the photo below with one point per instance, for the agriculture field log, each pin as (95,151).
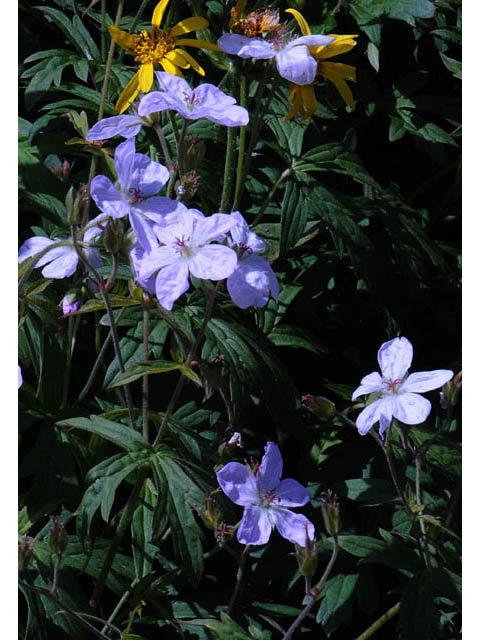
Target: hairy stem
(163,143)
(241,147)
(239,580)
(315,592)
(228,170)
(379,623)
(146,332)
(278,182)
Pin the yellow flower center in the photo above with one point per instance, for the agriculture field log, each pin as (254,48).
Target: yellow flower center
(152,47)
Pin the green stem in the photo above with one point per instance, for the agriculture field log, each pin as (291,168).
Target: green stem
(239,580)
(146,332)
(125,520)
(418,500)
(133,26)
(315,592)
(278,182)
(228,171)
(73,322)
(241,146)
(193,350)
(380,622)
(103,32)
(163,143)
(114,613)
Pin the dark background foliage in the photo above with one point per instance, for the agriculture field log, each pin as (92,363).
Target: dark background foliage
(364,236)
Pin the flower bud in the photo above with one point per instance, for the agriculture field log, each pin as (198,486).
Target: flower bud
(450,391)
(191,154)
(69,302)
(113,235)
(211,515)
(307,558)
(331,512)
(25,551)
(57,537)
(228,449)
(188,185)
(74,201)
(322,407)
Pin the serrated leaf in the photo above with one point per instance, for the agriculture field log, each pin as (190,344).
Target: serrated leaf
(336,606)
(124,437)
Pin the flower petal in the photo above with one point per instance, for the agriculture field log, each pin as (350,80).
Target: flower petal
(122,38)
(188,25)
(191,61)
(411,408)
(143,231)
(198,44)
(302,23)
(32,246)
(369,384)
(124,161)
(128,95)
(147,176)
(154,102)
(244,47)
(395,358)
(270,470)
(156,259)
(107,198)
(171,283)
(213,227)
(62,267)
(296,64)
(158,13)
(238,483)
(371,414)
(251,282)
(213,262)
(312,41)
(291,493)
(255,527)
(426,380)
(293,526)
(337,73)
(126,126)
(169,67)
(145,77)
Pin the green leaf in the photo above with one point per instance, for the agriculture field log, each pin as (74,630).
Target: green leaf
(124,437)
(336,606)
(365,11)
(141,369)
(286,336)
(24,522)
(293,215)
(396,130)
(142,530)
(452,65)
(418,617)
(361,546)
(373,491)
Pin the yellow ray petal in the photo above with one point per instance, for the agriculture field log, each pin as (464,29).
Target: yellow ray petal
(347,71)
(191,61)
(158,13)
(309,100)
(169,67)
(177,59)
(302,23)
(190,24)
(296,100)
(122,38)
(331,72)
(199,44)
(128,95)
(145,77)
(342,44)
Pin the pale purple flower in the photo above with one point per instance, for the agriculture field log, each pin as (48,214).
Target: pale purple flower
(125,126)
(20,377)
(266,499)
(61,262)
(292,57)
(186,250)
(398,391)
(69,303)
(253,280)
(205,101)
(140,178)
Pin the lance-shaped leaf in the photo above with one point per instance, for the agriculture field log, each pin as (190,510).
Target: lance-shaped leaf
(140,369)
(121,435)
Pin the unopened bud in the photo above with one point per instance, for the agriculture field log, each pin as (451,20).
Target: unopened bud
(307,558)
(69,302)
(331,512)
(228,449)
(25,551)
(57,537)
(74,202)
(450,391)
(211,515)
(322,407)
(192,153)
(113,235)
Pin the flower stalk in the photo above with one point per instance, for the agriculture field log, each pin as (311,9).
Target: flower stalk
(239,579)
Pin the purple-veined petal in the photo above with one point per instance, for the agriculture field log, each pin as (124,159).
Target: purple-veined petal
(270,471)
(311,41)
(107,198)
(231,116)
(213,227)
(369,384)
(426,380)
(293,526)
(291,493)
(33,246)
(96,227)
(172,84)
(251,282)
(143,231)
(240,230)
(93,256)
(62,267)
(238,483)
(171,283)
(20,377)
(255,527)
(244,47)
(126,126)
(211,97)
(367,418)
(124,160)
(147,176)
(296,65)
(178,229)
(162,210)
(156,259)
(411,408)
(137,253)
(152,103)
(213,262)
(395,358)
(54,254)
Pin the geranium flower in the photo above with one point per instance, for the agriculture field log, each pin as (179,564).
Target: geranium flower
(292,57)
(139,178)
(205,101)
(302,96)
(61,262)
(266,499)
(398,391)
(125,126)
(187,250)
(253,280)
(159,47)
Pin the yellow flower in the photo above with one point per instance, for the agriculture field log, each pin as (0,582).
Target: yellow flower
(303,98)
(158,47)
